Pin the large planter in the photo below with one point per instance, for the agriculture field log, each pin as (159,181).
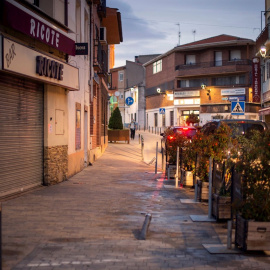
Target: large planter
(188,178)
(203,190)
(117,135)
(171,172)
(221,207)
(252,235)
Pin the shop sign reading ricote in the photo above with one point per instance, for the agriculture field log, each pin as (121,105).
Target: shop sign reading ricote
(27,22)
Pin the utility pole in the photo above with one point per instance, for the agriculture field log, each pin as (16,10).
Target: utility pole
(179,33)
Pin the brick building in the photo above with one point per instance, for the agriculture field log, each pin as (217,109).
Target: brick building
(262,49)
(201,77)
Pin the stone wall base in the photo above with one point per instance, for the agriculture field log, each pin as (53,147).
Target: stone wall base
(55,164)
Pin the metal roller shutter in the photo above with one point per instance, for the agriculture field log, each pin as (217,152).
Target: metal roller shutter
(21,134)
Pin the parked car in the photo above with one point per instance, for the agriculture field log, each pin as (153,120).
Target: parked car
(239,126)
(188,131)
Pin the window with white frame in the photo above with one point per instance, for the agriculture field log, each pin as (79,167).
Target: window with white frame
(235,55)
(121,76)
(190,59)
(157,66)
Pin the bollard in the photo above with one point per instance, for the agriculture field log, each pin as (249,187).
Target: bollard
(210,188)
(142,147)
(139,138)
(177,167)
(196,192)
(229,234)
(145,226)
(156,158)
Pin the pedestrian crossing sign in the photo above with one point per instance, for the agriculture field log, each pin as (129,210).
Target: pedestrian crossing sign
(161,110)
(238,108)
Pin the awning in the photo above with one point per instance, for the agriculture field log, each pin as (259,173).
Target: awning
(264,111)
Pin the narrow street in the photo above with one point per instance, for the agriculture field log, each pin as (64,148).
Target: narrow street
(93,221)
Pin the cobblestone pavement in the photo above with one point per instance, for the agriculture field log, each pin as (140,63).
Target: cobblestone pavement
(92,221)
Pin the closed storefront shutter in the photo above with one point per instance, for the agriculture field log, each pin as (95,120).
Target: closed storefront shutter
(21,134)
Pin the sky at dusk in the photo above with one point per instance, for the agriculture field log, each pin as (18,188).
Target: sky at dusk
(152,26)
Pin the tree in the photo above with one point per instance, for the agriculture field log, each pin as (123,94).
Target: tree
(115,121)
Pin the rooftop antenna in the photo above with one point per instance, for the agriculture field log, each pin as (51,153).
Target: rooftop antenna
(179,33)
(194,33)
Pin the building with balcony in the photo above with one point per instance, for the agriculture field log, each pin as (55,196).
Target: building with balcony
(263,52)
(203,78)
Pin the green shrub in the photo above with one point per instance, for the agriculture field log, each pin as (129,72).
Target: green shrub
(115,121)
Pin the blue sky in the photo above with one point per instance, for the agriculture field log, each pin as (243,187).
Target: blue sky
(151,26)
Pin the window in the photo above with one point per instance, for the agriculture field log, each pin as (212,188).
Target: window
(235,55)
(156,119)
(78,21)
(171,118)
(267,70)
(227,81)
(190,59)
(157,66)
(163,120)
(78,127)
(121,76)
(218,59)
(51,6)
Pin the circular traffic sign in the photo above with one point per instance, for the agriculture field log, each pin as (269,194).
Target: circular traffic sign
(129,101)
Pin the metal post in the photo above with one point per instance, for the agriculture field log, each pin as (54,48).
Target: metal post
(177,167)
(142,147)
(156,158)
(210,188)
(0,236)
(196,192)
(139,138)
(163,159)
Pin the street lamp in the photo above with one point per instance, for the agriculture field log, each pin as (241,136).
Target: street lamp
(263,51)
(203,86)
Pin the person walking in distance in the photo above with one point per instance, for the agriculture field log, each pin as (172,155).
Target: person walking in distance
(132,129)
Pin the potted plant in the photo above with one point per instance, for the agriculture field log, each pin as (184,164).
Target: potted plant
(216,145)
(173,141)
(116,131)
(221,199)
(253,210)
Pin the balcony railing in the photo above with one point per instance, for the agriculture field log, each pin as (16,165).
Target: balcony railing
(217,64)
(100,59)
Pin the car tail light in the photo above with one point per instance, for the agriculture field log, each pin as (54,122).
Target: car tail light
(170,138)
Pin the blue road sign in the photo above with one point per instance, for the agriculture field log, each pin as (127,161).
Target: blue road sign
(238,108)
(129,101)
(161,110)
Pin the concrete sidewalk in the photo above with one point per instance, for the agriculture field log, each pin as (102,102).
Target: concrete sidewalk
(92,221)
